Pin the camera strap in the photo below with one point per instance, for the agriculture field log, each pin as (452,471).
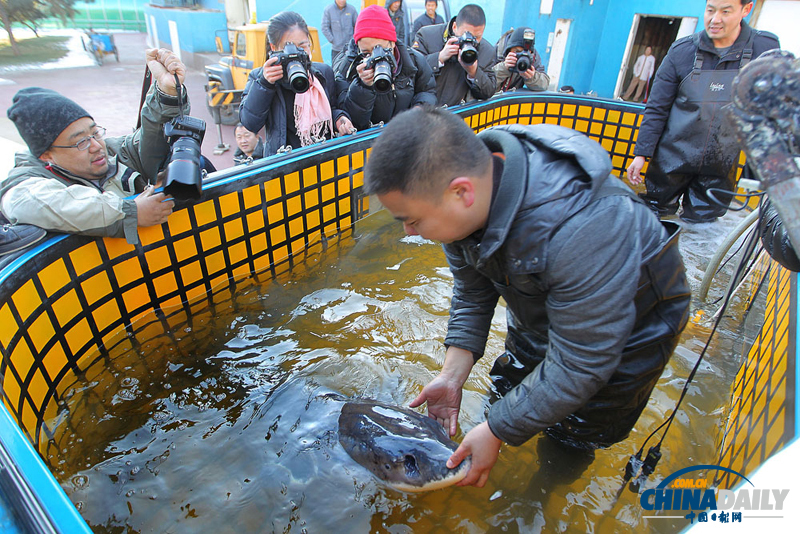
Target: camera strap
(148,78)
(145,87)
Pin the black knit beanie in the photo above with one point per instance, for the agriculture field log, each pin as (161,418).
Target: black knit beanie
(40,116)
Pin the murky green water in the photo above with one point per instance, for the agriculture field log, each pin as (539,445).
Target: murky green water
(228,429)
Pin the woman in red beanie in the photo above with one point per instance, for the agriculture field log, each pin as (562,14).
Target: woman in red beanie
(292,119)
(411,78)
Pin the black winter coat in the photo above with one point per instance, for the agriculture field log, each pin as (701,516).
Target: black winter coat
(414,85)
(677,65)
(264,105)
(587,290)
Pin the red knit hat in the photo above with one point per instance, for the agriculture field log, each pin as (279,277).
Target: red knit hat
(374,21)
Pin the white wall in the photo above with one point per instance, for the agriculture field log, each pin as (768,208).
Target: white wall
(781,17)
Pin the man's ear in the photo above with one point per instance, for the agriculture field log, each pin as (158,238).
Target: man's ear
(463,189)
(46,156)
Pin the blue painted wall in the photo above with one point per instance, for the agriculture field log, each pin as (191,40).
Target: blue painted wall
(598,34)
(196,29)
(311,10)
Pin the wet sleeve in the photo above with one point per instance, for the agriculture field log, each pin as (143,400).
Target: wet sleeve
(592,279)
(472,306)
(775,238)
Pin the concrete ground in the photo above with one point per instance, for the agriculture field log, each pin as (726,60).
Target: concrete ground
(110,93)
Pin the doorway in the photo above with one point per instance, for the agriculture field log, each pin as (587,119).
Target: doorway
(557,51)
(658,32)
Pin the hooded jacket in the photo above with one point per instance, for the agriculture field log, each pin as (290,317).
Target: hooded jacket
(452,85)
(50,198)
(677,64)
(399,21)
(575,257)
(413,85)
(264,105)
(507,80)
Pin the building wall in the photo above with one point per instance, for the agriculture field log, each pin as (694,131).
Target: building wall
(311,10)
(598,34)
(195,29)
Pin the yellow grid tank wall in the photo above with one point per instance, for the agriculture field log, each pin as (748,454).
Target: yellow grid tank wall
(64,305)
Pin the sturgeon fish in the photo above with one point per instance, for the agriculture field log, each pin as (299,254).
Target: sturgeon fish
(403,448)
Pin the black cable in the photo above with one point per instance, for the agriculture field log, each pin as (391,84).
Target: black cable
(647,466)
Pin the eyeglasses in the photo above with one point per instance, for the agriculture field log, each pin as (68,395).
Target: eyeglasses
(84,143)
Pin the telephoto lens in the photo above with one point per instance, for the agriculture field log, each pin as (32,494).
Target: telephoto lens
(184,172)
(298,79)
(469,48)
(296,66)
(382,61)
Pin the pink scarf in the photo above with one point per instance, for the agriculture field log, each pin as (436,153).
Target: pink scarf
(312,114)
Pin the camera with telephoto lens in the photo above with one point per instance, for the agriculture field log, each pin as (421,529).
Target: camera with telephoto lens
(469,48)
(296,66)
(525,58)
(185,171)
(382,62)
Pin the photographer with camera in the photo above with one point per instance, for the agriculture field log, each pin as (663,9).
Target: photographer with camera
(461,59)
(291,97)
(377,77)
(75,180)
(521,65)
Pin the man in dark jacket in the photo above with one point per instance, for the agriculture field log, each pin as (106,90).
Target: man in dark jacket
(456,80)
(690,148)
(594,284)
(429,18)
(412,79)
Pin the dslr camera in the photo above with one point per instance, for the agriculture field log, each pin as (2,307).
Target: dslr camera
(469,48)
(296,66)
(382,62)
(184,172)
(525,58)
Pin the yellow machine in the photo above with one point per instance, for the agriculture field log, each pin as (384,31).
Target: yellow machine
(226,79)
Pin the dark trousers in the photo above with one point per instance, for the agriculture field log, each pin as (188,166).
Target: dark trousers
(609,416)
(666,191)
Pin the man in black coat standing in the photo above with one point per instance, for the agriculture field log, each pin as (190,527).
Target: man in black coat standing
(458,79)
(683,133)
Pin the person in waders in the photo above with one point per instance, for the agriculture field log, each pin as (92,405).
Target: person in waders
(683,132)
(594,285)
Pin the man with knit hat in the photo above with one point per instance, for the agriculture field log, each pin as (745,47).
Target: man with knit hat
(458,81)
(72,179)
(509,77)
(412,80)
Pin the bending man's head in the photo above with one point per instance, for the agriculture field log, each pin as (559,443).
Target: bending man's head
(432,173)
